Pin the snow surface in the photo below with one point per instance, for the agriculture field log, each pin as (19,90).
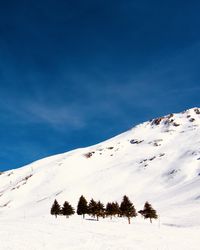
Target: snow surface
(49,233)
(157,161)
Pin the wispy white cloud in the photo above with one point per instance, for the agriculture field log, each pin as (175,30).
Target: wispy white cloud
(59,117)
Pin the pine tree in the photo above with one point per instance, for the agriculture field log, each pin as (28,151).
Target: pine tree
(112,209)
(55,209)
(127,209)
(67,209)
(116,209)
(92,207)
(99,211)
(82,207)
(149,212)
(109,209)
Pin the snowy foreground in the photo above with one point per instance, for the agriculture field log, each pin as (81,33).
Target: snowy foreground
(49,233)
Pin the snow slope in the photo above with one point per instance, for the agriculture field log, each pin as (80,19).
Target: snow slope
(158,161)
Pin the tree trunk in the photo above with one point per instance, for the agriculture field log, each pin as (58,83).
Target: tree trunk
(83,216)
(150,220)
(129,220)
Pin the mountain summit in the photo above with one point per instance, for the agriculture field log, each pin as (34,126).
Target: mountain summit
(156,161)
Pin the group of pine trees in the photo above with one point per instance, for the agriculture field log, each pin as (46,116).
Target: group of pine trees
(66,209)
(97,209)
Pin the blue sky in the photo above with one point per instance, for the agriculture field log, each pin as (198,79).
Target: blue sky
(74,73)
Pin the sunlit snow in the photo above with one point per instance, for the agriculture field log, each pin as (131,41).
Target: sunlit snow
(157,161)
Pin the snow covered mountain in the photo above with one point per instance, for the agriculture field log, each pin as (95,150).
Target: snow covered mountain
(157,161)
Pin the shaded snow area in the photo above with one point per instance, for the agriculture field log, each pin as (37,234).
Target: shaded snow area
(74,233)
(157,161)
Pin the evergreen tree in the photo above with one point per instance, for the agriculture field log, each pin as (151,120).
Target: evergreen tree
(116,209)
(67,209)
(82,207)
(55,209)
(109,209)
(99,211)
(149,212)
(92,207)
(127,209)
(112,209)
